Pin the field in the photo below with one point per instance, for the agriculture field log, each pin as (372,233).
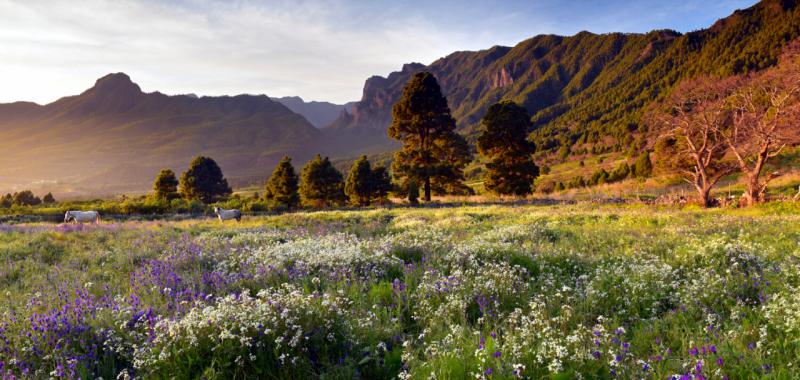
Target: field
(496,292)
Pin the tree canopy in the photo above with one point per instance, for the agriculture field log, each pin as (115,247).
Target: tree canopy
(282,186)
(204,181)
(503,141)
(432,153)
(165,185)
(320,183)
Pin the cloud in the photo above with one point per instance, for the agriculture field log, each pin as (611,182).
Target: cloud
(322,50)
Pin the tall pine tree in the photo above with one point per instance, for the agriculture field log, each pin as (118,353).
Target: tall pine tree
(320,183)
(282,185)
(359,183)
(503,140)
(381,184)
(432,153)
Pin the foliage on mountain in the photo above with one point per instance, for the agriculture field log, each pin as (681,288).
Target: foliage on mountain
(282,186)
(432,154)
(643,166)
(588,93)
(502,140)
(203,181)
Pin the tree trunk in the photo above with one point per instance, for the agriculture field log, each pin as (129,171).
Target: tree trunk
(752,194)
(705,196)
(427,189)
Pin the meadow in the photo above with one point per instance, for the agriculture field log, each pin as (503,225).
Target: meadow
(490,292)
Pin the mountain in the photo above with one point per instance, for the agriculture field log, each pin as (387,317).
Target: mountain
(586,92)
(321,114)
(114,137)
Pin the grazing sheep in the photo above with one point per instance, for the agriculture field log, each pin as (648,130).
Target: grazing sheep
(224,215)
(82,216)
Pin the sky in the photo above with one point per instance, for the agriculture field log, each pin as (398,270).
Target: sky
(319,50)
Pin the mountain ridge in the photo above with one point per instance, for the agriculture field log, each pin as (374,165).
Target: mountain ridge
(586,91)
(115,128)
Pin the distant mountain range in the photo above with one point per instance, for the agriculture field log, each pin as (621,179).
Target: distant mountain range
(320,114)
(114,137)
(586,92)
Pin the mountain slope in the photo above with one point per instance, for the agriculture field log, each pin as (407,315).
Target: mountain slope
(320,114)
(116,137)
(587,91)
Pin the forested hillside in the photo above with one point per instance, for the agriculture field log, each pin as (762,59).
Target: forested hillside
(586,92)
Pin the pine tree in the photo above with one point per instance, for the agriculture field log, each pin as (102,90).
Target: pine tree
(412,192)
(26,198)
(6,201)
(381,184)
(320,183)
(204,181)
(282,185)
(358,186)
(48,199)
(432,151)
(503,140)
(166,185)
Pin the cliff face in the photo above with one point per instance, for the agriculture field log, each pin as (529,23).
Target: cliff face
(587,88)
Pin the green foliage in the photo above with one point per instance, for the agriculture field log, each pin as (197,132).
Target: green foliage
(25,198)
(166,185)
(503,141)
(643,167)
(321,184)
(381,184)
(48,199)
(619,173)
(6,200)
(282,186)
(412,190)
(204,181)
(433,153)
(359,184)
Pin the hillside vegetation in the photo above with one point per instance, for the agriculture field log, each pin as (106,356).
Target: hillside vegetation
(587,92)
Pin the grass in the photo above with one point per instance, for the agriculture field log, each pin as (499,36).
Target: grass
(485,291)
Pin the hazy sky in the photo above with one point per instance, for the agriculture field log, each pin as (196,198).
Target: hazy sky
(320,50)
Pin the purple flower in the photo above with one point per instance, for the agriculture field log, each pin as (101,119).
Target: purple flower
(497,354)
(488,371)
(693,351)
(720,362)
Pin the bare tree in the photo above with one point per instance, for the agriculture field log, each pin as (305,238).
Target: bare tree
(766,112)
(690,122)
